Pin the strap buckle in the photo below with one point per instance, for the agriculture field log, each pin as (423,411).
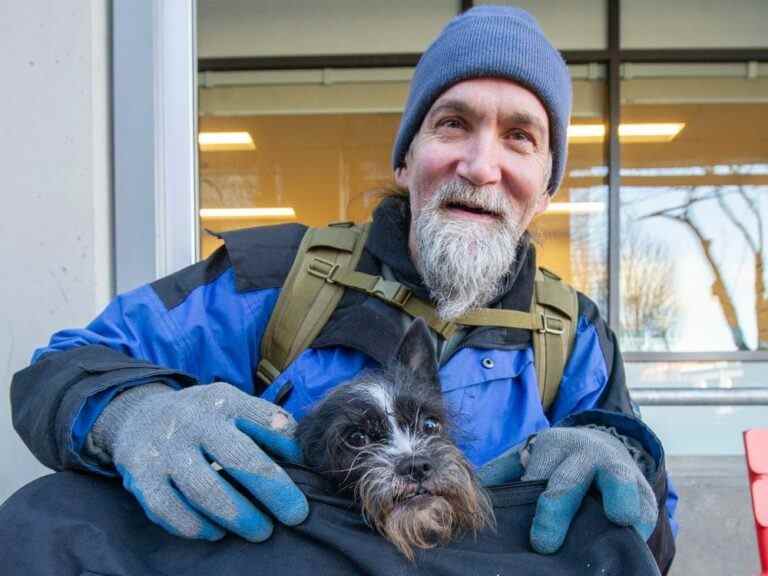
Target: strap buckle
(266,373)
(391,291)
(551,325)
(322,268)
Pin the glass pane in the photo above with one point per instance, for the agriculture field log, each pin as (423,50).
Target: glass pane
(693,198)
(657,24)
(308,168)
(708,429)
(320,153)
(573,232)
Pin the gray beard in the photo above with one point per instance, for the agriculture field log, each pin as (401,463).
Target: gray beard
(462,262)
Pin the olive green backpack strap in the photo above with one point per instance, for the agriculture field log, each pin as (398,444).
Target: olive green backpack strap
(552,322)
(307,299)
(325,265)
(557,306)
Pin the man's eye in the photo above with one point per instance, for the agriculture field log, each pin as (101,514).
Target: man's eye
(450,123)
(522,135)
(430,426)
(358,439)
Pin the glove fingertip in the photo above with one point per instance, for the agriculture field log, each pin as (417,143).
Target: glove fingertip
(546,539)
(211,533)
(621,502)
(298,513)
(260,534)
(552,520)
(289,505)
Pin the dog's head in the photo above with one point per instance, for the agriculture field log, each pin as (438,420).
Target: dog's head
(385,438)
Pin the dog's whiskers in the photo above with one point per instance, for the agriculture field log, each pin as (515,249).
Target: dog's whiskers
(413,484)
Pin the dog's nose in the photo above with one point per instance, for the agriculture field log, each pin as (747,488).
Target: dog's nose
(417,467)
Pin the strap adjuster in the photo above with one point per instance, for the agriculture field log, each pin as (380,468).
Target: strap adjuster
(391,291)
(551,325)
(322,268)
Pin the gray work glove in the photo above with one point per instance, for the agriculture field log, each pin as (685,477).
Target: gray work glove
(162,442)
(571,460)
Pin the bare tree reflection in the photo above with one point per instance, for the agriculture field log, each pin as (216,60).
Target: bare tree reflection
(649,309)
(726,198)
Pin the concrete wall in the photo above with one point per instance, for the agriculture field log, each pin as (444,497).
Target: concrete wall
(55,155)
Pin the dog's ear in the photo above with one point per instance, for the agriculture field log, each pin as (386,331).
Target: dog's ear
(416,353)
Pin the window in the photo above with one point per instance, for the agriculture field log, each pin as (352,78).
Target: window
(319,151)
(694,193)
(662,227)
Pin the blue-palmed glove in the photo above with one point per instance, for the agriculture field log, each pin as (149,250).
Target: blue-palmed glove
(573,459)
(162,442)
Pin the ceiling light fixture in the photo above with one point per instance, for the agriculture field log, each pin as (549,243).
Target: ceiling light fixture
(225,141)
(575,208)
(628,133)
(246,213)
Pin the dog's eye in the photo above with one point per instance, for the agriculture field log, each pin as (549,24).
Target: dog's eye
(430,426)
(357,439)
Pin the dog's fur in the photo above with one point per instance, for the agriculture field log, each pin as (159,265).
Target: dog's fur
(384,438)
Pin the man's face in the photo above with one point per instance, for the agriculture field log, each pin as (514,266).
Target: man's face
(477,173)
(486,133)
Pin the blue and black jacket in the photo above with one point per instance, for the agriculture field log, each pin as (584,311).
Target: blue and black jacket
(205,323)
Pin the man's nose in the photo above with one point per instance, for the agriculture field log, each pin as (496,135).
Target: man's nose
(479,164)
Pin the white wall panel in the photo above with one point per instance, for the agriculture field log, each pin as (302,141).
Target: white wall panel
(296,27)
(656,24)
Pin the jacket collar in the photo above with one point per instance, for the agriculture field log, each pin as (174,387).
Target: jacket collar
(373,327)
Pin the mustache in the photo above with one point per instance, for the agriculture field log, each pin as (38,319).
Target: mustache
(488,199)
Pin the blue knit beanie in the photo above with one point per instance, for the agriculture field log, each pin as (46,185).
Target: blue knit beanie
(492,41)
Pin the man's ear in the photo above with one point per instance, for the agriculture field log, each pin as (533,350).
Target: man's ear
(543,202)
(401,175)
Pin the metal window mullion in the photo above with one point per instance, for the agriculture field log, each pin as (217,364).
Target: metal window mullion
(652,396)
(614,161)
(175,131)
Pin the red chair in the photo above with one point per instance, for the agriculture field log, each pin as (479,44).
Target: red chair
(756,452)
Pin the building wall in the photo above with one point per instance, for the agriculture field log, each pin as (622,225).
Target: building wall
(55,153)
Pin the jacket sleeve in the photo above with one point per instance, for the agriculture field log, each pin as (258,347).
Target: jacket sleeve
(192,327)
(594,392)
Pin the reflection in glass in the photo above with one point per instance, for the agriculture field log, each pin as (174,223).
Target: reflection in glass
(692,214)
(573,233)
(264,162)
(308,168)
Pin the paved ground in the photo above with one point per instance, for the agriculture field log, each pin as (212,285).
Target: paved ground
(717,529)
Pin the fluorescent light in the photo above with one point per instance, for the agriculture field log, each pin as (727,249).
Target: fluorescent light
(628,133)
(245,213)
(225,141)
(575,208)
(586,133)
(650,132)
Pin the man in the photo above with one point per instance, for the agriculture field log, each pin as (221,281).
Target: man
(481,149)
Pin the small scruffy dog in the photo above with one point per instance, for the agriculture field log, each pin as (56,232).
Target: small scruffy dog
(383,438)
